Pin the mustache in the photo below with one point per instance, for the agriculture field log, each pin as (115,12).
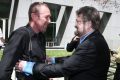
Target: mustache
(76,33)
(75,26)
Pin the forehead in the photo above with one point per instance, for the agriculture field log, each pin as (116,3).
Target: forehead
(44,10)
(79,17)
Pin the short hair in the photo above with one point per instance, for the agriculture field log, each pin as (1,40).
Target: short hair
(90,14)
(34,8)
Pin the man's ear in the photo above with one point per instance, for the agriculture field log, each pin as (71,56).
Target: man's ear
(89,23)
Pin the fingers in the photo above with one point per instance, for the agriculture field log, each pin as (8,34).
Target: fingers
(17,68)
(75,38)
(19,65)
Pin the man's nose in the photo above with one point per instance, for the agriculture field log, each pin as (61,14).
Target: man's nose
(49,20)
(75,26)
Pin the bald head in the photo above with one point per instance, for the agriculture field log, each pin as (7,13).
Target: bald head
(39,16)
(35,8)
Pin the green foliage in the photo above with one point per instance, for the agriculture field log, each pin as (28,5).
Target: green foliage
(1,52)
(57,53)
(50,53)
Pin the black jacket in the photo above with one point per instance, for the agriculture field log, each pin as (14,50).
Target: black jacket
(90,61)
(17,48)
(72,45)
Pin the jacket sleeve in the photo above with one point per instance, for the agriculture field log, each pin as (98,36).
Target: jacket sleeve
(82,59)
(70,47)
(44,71)
(11,54)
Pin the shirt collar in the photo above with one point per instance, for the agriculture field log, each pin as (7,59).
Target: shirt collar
(82,38)
(31,30)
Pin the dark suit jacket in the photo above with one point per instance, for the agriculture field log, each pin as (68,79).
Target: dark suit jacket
(90,61)
(72,45)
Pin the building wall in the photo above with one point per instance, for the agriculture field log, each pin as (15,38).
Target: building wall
(112,31)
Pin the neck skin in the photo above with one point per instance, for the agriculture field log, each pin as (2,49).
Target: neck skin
(88,27)
(34,27)
(89,30)
(86,31)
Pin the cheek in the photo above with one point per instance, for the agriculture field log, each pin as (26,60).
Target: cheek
(42,20)
(80,28)
(38,23)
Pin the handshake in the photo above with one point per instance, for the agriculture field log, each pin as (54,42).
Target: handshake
(27,66)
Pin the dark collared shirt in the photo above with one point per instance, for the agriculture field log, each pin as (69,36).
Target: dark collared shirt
(17,48)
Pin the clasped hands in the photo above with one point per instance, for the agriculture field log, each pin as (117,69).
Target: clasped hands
(27,66)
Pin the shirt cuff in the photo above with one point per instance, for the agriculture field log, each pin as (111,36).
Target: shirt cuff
(28,66)
(53,60)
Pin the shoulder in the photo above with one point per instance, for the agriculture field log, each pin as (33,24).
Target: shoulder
(21,30)
(19,33)
(88,43)
(96,40)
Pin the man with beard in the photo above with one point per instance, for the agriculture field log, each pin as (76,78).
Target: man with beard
(27,43)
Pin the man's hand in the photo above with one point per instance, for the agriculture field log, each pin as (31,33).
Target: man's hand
(50,60)
(25,66)
(19,65)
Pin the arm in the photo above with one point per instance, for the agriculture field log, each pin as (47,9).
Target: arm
(73,44)
(70,46)
(82,59)
(11,54)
